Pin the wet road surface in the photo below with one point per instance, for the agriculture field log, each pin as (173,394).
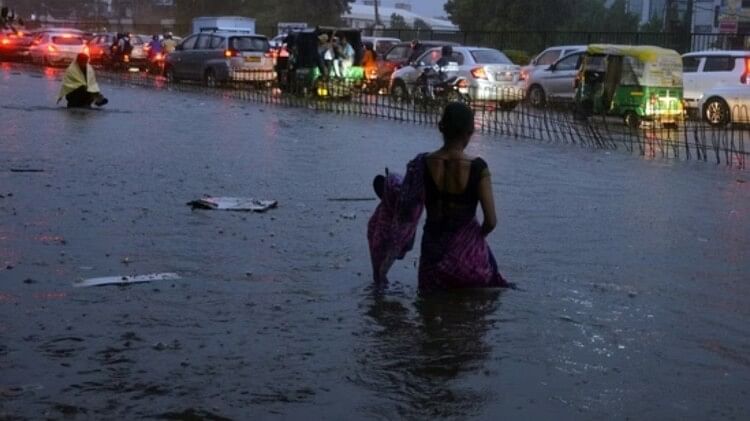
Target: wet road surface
(634,274)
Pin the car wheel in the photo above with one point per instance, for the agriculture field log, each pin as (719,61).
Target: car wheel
(169,74)
(716,112)
(537,97)
(399,91)
(210,79)
(632,120)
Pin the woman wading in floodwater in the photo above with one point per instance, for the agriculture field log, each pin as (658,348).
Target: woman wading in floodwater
(450,185)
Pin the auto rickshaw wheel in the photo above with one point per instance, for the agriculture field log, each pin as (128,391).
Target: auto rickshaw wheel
(508,106)
(716,112)
(632,120)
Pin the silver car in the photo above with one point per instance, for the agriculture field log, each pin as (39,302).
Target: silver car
(489,74)
(222,56)
(556,82)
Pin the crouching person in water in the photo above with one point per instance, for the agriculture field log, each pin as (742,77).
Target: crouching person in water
(79,86)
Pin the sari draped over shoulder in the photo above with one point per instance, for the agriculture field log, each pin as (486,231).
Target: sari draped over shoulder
(454,255)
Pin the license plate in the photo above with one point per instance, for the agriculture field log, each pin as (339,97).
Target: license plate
(507,76)
(252,59)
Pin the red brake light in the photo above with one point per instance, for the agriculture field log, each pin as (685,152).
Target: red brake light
(159,56)
(5,41)
(231,53)
(51,48)
(479,73)
(743,78)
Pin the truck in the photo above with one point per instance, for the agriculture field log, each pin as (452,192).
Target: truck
(224,23)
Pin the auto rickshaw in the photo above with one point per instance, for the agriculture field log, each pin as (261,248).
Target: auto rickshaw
(309,74)
(637,83)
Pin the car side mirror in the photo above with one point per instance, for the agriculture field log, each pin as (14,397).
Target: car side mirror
(551,67)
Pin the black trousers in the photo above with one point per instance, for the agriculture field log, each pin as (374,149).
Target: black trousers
(80,98)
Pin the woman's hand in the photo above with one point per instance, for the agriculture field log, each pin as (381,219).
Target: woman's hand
(487,200)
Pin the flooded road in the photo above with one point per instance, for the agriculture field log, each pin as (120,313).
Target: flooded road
(634,274)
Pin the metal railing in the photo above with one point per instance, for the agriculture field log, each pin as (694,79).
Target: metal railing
(669,134)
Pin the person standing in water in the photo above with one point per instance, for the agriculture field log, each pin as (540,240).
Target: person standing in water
(450,185)
(79,85)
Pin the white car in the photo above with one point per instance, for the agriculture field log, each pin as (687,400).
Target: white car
(381,45)
(726,104)
(705,70)
(489,74)
(549,56)
(556,82)
(56,48)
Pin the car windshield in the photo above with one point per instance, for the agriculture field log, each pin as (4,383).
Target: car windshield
(490,57)
(249,44)
(67,40)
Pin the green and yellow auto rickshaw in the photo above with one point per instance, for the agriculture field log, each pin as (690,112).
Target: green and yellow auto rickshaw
(637,83)
(308,71)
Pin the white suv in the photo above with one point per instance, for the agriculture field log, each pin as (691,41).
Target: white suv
(705,70)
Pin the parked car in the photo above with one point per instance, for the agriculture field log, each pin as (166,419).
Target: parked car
(489,75)
(556,82)
(381,45)
(550,56)
(706,70)
(726,104)
(217,57)
(14,45)
(398,56)
(56,48)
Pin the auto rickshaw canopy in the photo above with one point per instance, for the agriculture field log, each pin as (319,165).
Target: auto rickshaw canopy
(644,65)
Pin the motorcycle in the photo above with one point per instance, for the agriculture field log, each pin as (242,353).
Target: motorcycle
(156,64)
(433,86)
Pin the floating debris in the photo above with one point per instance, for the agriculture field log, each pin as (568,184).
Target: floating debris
(237,204)
(125,280)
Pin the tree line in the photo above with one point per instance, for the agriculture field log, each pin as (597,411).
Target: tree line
(542,15)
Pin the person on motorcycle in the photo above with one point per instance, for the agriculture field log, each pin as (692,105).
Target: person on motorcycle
(169,44)
(416,51)
(154,47)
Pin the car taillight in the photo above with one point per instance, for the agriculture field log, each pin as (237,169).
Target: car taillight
(231,53)
(51,48)
(5,41)
(743,78)
(271,54)
(87,50)
(159,56)
(479,73)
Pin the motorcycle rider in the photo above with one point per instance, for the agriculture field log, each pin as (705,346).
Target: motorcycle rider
(439,73)
(169,44)
(154,47)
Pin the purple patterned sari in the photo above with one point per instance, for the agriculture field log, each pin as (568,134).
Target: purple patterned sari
(452,257)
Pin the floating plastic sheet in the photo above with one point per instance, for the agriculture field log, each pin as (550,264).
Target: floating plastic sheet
(237,204)
(125,280)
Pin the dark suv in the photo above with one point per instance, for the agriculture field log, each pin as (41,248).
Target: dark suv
(218,57)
